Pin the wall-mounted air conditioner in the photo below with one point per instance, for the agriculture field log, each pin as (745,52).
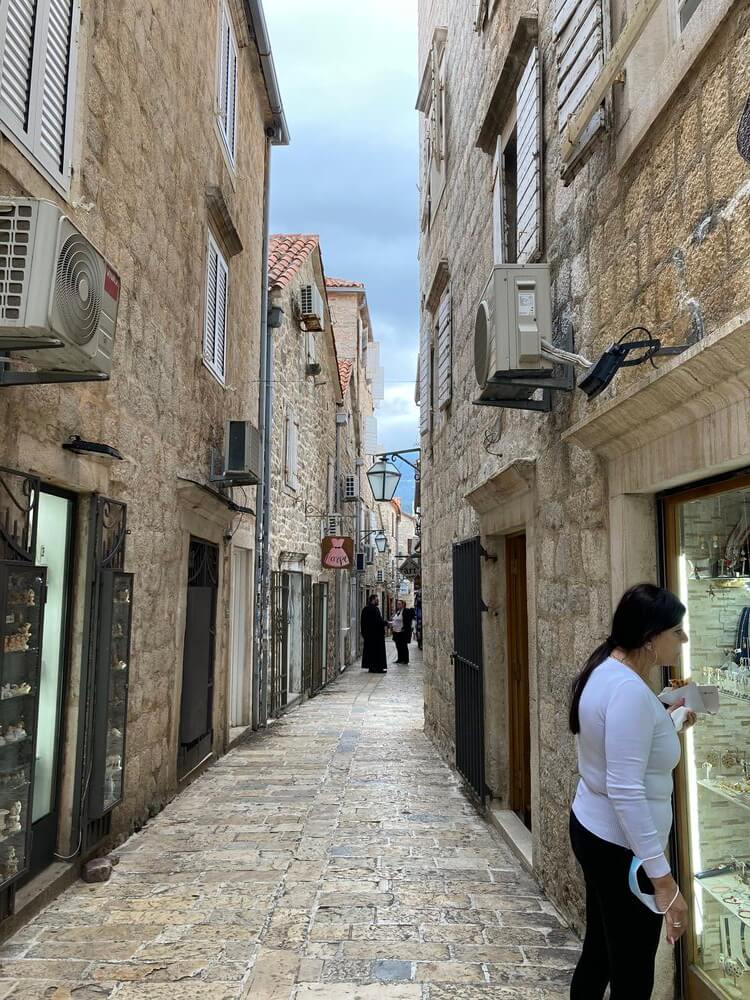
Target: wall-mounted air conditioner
(311,308)
(54,286)
(242,453)
(513,317)
(350,488)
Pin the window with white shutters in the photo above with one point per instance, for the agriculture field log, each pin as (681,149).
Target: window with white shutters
(215,325)
(579,46)
(291,443)
(529,163)
(227,84)
(444,351)
(431,102)
(425,381)
(371,435)
(37,77)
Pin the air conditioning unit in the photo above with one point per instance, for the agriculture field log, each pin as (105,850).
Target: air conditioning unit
(54,285)
(351,487)
(311,308)
(514,315)
(242,453)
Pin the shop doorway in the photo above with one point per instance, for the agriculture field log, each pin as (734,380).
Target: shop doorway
(320,636)
(240,689)
(196,707)
(706,543)
(519,725)
(295,639)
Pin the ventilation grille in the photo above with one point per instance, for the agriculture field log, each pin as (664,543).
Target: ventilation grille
(15,259)
(78,288)
(350,488)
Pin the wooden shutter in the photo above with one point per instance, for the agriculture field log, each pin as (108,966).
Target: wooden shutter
(445,350)
(579,44)
(214,329)
(228,83)
(53,111)
(18,53)
(425,396)
(529,162)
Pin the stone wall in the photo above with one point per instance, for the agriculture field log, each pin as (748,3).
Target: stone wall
(146,149)
(659,240)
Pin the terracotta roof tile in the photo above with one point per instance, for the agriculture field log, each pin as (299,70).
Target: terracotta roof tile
(345,374)
(343,283)
(286,255)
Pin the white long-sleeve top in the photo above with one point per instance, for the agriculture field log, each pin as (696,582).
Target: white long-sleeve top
(627,750)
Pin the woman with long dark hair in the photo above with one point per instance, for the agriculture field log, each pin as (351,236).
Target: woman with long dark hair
(372,627)
(627,749)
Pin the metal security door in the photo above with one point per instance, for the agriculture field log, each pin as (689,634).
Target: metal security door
(307,634)
(519,724)
(320,636)
(467,663)
(279,640)
(196,707)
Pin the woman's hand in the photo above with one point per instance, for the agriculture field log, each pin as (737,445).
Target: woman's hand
(689,718)
(670,901)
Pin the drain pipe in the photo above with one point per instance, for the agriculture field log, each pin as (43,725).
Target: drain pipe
(257,21)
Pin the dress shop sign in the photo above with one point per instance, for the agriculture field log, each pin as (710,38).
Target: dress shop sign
(337,553)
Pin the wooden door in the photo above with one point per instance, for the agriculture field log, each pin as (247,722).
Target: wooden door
(519,731)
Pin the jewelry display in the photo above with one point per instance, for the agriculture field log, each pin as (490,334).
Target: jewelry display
(18,642)
(14,690)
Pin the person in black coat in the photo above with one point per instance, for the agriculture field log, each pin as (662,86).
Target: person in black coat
(372,627)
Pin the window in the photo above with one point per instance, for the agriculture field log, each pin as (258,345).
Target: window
(444,351)
(432,103)
(37,80)
(215,326)
(226,98)
(516,175)
(685,10)
(579,47)
(291,442)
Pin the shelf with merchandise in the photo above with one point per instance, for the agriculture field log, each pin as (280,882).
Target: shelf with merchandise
(741,799)
(725,889)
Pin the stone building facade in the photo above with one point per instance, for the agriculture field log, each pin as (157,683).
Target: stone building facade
(307,397)
(154,141)
(643,218)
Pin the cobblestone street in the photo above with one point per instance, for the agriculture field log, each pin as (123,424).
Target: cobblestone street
(332,856)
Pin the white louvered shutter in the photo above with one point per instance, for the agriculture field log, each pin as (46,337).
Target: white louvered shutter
(52,118)
(371,435)
(36,78)
(227,98)
(425,400)
(445,350)
(18,53)
(215,325)
(498,205)
(579,45)
(529,162)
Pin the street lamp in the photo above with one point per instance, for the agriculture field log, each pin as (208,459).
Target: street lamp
(383,478)
(381,541)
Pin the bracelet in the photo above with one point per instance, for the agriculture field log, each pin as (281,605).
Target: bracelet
(674,900)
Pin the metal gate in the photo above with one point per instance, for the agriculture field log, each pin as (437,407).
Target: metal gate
(196,707)
(467,662)
(320,636)
(307,634)
(279,640)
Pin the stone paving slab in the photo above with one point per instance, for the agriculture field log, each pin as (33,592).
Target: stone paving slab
(331,857)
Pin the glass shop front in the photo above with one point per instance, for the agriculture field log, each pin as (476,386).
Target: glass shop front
(707,549)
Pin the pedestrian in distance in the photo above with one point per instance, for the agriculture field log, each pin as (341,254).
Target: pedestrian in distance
(621,816)
(400,635)
(372,626)
(408,623)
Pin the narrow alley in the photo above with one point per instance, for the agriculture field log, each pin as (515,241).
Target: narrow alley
(333,856)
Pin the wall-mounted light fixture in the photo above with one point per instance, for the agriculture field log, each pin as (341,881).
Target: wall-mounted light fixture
(616,357)
(94,449)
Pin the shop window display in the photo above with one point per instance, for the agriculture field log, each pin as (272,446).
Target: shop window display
(708,547)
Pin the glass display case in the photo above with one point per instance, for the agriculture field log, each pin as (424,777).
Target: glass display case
(111,697)
(708,548)
(22,595)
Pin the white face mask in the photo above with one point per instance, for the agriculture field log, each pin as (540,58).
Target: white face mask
(646,898)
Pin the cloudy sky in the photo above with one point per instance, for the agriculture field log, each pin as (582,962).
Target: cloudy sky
(348,78)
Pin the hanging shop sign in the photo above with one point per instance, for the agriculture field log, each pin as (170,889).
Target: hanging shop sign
(337,552)
(409,568)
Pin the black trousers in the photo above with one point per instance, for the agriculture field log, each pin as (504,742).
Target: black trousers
(622,934)
(402,646)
